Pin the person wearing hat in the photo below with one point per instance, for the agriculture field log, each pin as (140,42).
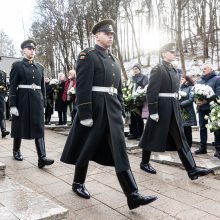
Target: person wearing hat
(164,129)
(26,101)
(3,87)
(136,126)
(97,132)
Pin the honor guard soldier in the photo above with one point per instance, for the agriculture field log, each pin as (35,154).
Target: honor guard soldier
(27,98)
(164,129)
(2,103)
(97,132)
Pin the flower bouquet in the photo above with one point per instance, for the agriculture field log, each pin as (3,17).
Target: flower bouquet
(182,94)
(214,116)
(55,86)
(183,111)
(132,100)
(127,96)
(202,92)
(72,93)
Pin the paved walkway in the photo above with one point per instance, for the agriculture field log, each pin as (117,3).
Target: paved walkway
(179,197)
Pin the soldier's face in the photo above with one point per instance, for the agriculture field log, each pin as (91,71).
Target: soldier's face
(169,56)
(104,39)
(29,52)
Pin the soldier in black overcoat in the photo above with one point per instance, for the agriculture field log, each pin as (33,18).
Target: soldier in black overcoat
(97,132)
(164,129)
(2,103)
(27,98)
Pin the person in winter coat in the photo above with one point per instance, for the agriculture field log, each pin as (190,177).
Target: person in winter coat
(2,104)
(211,79)
(97,132)
(68,98)
(187,110)
(137,124)
(27,99)
(164,129)
(49,100)
(60,105)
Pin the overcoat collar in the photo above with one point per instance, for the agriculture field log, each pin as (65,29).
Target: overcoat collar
(28,62)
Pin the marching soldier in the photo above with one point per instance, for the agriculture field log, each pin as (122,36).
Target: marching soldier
(97,132)
(27,98)
(164,129)
(2,103)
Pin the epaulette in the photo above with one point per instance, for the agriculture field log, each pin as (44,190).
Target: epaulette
(114,56)
(82,54)
(39,64)
(14,63)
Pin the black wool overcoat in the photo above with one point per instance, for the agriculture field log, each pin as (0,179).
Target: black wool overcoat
(163,79)
(2,94)
(30,103)
(104,142)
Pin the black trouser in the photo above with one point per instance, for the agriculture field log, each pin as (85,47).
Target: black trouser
(63,116)
(137,125)
(188,134)
(203,129)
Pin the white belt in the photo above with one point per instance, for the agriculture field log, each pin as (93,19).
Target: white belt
(33,86)
(172,95)
(110,90)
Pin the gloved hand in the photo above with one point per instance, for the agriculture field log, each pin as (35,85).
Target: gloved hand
(87,122)
(14,111)
(6,98)
(155,117)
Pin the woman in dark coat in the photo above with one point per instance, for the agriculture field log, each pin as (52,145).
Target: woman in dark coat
(60,105)
(27,98)
(97,132)
(164,130)
(49,100)
(188,114)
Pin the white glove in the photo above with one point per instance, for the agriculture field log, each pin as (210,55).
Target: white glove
(155,117)
(87,122)
(6,98)
(14,111)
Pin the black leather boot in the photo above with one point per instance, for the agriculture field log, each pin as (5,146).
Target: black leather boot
(217,151)
(188,162)
(201,150)
(3,128)
(16,149)
(78,183)
(145,165)
(129,187)
(41,152)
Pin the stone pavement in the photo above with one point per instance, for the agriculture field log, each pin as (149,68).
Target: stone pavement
(178,196)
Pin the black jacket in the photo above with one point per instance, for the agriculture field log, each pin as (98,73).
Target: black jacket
(2,93)
(30,103)
(103,142)
(186,104)
(213,81)
(163,79)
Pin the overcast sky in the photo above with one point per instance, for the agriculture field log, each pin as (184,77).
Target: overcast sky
(12,12)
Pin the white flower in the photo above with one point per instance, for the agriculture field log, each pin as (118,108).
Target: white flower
(206,117)
(72,91)
(213,118)
(212,103)
(54,82)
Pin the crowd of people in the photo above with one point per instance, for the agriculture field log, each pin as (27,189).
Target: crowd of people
(94,95)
